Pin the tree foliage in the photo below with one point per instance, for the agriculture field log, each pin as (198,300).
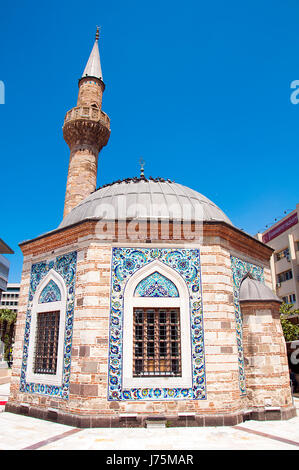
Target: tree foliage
(7,329)
(290,330)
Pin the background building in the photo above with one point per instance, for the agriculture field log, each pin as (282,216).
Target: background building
(283,237)
(4,271)
(10,297)
(4,265)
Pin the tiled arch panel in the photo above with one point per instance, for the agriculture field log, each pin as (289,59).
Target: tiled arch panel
(126,262)
(156,285)
(50,293)
(65,265)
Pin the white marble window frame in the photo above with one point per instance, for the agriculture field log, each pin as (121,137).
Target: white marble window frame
(181,302)
(31,376)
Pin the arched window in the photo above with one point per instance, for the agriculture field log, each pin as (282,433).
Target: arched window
(45,354)
(156,335)
(156,347)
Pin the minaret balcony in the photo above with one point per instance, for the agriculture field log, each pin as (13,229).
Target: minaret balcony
(89,113)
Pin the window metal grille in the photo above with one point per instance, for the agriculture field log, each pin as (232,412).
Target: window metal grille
(157,342)
(46,344)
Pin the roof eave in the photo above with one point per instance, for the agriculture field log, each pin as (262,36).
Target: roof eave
(5,249)
(93,219)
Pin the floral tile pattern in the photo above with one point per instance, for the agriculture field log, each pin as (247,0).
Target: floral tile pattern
(125,262)
(65,265)
(156,285)
(239,269)
(50,293)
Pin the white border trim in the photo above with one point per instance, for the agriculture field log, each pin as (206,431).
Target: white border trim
(47,307)
(182,302)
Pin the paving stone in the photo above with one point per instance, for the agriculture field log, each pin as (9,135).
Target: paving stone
(19,432)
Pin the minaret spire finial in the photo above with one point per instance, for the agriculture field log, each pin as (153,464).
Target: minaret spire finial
(98,33)
(93,66)
(142,163)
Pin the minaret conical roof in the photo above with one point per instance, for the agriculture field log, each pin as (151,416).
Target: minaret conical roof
(93,66)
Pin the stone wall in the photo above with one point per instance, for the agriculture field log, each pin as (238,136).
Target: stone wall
(266,365)
(82,175)
(90,92)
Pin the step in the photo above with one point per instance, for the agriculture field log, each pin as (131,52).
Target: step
(155,423)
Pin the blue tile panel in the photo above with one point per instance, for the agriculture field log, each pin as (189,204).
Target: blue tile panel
(156,285)
(65,265)
(126,262)
(50,293)
(239,270)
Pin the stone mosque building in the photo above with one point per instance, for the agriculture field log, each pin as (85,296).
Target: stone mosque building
(145,304)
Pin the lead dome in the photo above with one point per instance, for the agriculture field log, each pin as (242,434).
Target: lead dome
(143,199)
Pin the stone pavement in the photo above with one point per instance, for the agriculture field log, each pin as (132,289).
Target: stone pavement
(19,432)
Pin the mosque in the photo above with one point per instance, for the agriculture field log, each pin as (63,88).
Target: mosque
(146,304)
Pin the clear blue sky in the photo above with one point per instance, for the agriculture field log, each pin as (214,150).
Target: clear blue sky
(200,89)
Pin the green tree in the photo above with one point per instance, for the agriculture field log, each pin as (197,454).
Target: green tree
(290,330)
(7,329)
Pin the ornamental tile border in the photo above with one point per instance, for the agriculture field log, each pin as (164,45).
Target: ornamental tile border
(124,263)
(65,265)
(239,270)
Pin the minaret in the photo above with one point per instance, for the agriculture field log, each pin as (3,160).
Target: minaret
(86,130)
